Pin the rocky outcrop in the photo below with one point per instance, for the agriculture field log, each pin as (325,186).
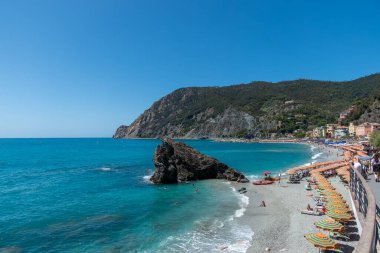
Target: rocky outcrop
(177,162)
(121,132)
(372,114)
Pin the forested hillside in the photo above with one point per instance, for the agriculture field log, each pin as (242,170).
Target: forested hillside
(251,110)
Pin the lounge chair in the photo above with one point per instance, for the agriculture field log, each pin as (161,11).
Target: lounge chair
(294,181)
(334,250)
(340,235)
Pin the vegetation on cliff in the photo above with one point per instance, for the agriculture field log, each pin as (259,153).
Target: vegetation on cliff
(254,109)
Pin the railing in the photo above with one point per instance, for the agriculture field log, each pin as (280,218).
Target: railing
(367,207)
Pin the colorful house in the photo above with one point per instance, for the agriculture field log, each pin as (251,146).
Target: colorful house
(352,129)
(365,129)
(331,130)
(322,132)
(341,132)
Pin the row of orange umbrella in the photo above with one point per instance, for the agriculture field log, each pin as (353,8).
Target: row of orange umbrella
(337,210)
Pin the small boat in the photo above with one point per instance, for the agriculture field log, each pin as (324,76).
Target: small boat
(263,182)
(271,178)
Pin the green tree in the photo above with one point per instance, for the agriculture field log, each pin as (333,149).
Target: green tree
(300,135)
(375,139)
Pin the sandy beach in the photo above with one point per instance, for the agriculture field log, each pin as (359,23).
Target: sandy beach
(280,226)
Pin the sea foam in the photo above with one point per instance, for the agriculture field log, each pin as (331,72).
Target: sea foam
(243,203)
(105,169)
(314,157)
(211,237)
(214,234)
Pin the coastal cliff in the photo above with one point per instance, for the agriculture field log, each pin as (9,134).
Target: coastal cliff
(248,110)
(176,162)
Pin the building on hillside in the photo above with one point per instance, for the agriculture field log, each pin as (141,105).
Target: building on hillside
(310,134)
(331,130)
(320,132)
(366,129)
(352,129)
(363,130)
(316,132)
(375,127)
(344,115)
(341,132)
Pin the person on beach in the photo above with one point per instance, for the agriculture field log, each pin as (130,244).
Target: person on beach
(262,204)
(375,162)
(279,177)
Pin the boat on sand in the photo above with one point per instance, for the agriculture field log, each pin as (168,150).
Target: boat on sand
(263,182)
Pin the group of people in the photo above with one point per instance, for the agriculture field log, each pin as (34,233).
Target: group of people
(369,166)
(329,173)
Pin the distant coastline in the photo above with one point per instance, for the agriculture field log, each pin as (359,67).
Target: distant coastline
(238,140)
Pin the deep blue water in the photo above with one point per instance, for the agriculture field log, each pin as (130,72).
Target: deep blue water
(90,195)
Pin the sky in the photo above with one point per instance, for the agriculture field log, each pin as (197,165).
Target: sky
(82,68)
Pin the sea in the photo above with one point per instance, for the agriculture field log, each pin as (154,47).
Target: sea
(94,195)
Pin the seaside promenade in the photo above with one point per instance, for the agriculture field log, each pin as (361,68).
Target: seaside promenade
(375,187)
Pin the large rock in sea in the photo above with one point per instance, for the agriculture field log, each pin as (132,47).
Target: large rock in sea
(177,162)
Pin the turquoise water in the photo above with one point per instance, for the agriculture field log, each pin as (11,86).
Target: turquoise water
(92,195)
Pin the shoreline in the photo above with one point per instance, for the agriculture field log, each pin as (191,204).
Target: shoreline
(279,226)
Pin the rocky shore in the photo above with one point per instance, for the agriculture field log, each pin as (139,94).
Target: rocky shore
(177,162)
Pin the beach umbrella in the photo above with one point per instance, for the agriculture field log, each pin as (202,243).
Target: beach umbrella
(334,197)
(339,211)
(326,188)
(330,189)
(336,205)
(329,225)
(333,193)
(335,201)
(339,208)
(266,173)
(339,215)
(321,241)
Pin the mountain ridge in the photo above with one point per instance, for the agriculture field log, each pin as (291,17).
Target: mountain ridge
(249,110)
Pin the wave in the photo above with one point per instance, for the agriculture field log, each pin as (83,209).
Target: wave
(147,177)
(210,236)
(243,203)
(105,169)
(214,234)
(314,157)
(253,177)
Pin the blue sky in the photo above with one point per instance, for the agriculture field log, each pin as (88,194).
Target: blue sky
(82,68)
